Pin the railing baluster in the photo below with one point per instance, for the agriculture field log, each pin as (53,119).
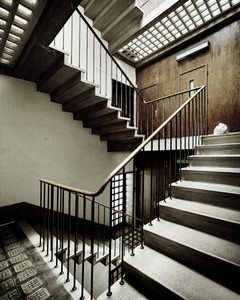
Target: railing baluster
(41,215)
(75,241)
(123,224)
(62,228)
(52,221)
(92,243)
(170,160)
(176,135)
(68,234)
(109,293)
(83,249)
(57,227)
(48,219)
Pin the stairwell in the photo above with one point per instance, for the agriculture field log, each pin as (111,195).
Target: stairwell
(193,251)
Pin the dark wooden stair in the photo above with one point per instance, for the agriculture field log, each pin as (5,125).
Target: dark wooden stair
(67,85)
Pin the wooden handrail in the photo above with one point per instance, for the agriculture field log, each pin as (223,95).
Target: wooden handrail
(129,158)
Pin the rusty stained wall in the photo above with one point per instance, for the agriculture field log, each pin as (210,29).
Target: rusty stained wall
(222,61)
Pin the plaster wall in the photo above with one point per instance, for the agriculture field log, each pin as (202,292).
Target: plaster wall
(38,140)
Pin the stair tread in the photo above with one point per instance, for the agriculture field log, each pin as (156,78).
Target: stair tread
(198,240)
(224,188)
(221,213)
(213,169)
(175,275)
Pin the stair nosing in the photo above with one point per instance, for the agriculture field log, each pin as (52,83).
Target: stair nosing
(193,211)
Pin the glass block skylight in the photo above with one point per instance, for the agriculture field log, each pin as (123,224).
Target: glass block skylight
(16,18)
(180,22)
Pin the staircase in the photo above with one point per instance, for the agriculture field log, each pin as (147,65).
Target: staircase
(116,20)
(67,85)
(193,252)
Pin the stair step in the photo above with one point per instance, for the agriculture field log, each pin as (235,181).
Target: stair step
(221,149)
(116,136)
(94,111)
(131,14)
(92,9)
(210,255)
(72,88)
(112,118)
(221,161)
(209,193)
(164,278)
(218,221)
(229,176)
(118,127)
(60,73)
(233,137)
(110,12)
(85,100)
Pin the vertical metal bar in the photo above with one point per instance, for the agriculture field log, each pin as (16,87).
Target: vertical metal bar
(69,233)
(75,242)
(62,229)
(57,226)
(151,185)
(164,163)
(106,74)
(192,126)
(199,117)
(170,161)
(87,53)
(41,204)
(104,229)
(202,115)
(48,219)
(143,173)
(185,135)
(92,243)
(71,39)
(93,59)
(133,205)
(176,134)
(52,221)
(83,250)
(100,71)
(109,293)
(196,121)
(189,107)
(44,209)
(147,121)
(98,237)
(180,152)
(79,44)
(123,224)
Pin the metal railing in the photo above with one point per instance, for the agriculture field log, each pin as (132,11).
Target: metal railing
(173,141)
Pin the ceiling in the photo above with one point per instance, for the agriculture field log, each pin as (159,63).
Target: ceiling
(181,21)
(17,21)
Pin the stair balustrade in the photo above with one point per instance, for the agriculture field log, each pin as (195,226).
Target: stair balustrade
(134,196)
(90,54)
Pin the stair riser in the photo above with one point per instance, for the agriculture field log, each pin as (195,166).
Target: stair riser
(227,162)
(207,197)
(223,139)
(224,229)
(147,285)
(219,150)
(213,177)
(217,269)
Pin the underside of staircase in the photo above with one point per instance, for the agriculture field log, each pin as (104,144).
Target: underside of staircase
(116,20)
(66,85)
(193,251)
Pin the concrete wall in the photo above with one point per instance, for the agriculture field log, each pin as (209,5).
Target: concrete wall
(38,140)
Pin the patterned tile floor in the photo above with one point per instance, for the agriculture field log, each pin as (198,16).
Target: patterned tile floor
(23,273)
